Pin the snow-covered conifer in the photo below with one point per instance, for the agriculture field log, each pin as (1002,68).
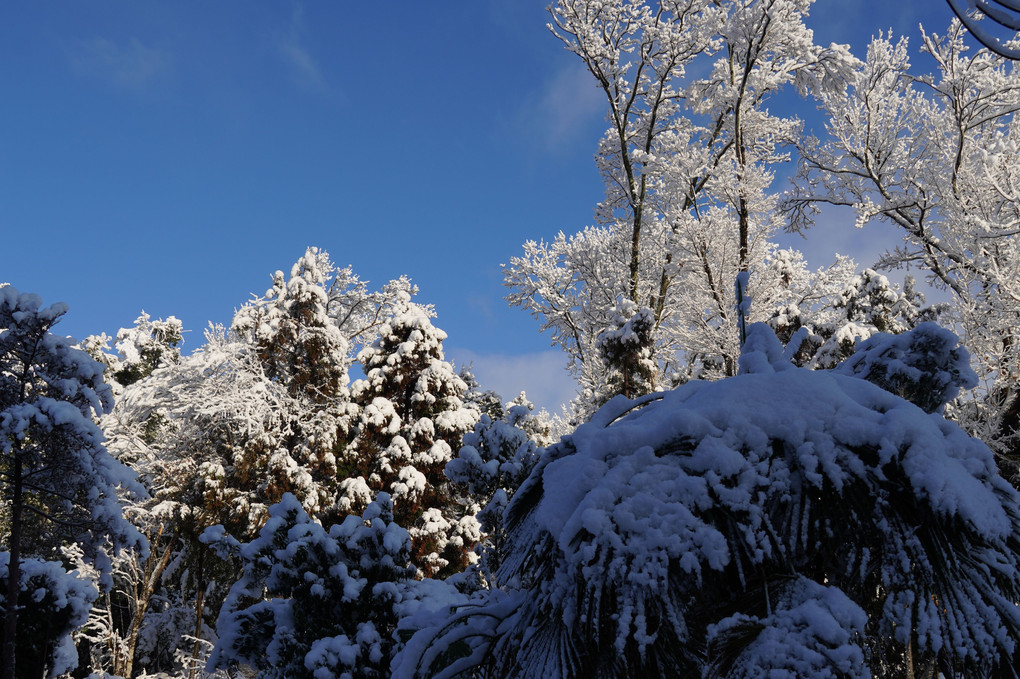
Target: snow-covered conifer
(259,410)
(140,349)
(494,460)
(485,401)
(297,342)
(626,350)
(412,417)
(59,603)
(868,304)
(925,365)
(59,483)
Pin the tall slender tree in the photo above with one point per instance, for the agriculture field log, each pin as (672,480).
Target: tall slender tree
(688,162)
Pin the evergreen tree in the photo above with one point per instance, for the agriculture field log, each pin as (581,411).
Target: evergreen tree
(925,366)
(60,602)
(493,462)
(411,417)
(142,349)
(626,350)
(259,410)
(869,304)
(297,342)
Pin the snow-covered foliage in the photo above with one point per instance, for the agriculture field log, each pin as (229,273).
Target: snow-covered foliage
(259,410)
(140,349)
(59,603)
(55,464)
(494,460)
(59,484)
(781,505)
(870,303)
(625,348)
(318,603)
(925,366)
(219,441)
(688,164)
(812,631)
(298,344)
(412,417)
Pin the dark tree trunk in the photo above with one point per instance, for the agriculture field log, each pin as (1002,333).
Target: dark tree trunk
(13,572)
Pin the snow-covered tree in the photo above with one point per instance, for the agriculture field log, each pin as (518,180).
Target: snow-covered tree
(59,484)
(259,410)
(485,401)
(934,157)
(688,163)
(411,418)
(120,624)
(925,366)
(783,522)
(625,348)
(869,304)
(297,342)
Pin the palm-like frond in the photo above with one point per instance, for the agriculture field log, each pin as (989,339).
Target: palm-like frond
(666,540)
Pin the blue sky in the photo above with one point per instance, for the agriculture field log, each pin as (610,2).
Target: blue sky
(169,155)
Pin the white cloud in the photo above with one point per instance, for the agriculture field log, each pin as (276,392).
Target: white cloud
(543,375)
(304,68)
(131,66)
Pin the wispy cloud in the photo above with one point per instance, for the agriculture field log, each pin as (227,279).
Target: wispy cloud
(543,375)
(564,111)
(130,66)
(304,68)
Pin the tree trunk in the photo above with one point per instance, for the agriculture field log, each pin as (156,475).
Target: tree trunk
(7,651)
(142,604)
(199,607)
(910,657)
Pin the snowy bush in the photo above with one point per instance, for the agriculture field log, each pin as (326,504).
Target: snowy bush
(316,603)
(813,631)
(680,518)
(493,462)
(57,603)
(924,366)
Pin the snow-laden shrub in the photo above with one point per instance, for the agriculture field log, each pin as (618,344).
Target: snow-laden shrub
(54,604)
(812,631)
(493,462)
(320,603)
(924,366)
(669,514)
